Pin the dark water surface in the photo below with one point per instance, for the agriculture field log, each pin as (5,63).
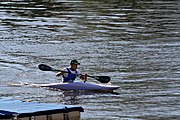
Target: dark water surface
(135,42)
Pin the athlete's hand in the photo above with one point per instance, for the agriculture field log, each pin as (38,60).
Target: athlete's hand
(84,77)
(58,74)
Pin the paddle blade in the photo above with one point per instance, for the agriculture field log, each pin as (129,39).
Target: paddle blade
(44,67)
(103,79)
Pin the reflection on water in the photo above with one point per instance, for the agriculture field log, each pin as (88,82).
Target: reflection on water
(135,42)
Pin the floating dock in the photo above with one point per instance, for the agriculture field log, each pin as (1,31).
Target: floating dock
(18,110)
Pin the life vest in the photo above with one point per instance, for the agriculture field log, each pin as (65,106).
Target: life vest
(70,77)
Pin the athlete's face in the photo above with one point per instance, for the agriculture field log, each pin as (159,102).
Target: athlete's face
(74,66)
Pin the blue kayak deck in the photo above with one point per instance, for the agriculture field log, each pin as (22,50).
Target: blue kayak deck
(19,109)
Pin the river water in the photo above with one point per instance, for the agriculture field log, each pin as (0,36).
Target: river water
(135,42)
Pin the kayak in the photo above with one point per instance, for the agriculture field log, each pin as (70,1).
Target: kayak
(81,86)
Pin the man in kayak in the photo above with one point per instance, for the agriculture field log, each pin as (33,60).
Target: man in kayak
(70,73)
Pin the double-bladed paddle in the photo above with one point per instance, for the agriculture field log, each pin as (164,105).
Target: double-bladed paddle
(102,79)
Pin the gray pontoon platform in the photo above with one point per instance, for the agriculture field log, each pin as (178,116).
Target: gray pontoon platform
(15,109)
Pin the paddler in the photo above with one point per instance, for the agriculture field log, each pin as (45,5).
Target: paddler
(72,72)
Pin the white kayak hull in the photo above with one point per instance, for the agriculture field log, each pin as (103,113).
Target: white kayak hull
(81,86)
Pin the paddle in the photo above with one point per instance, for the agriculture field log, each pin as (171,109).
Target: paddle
(44,67)
(102,79)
